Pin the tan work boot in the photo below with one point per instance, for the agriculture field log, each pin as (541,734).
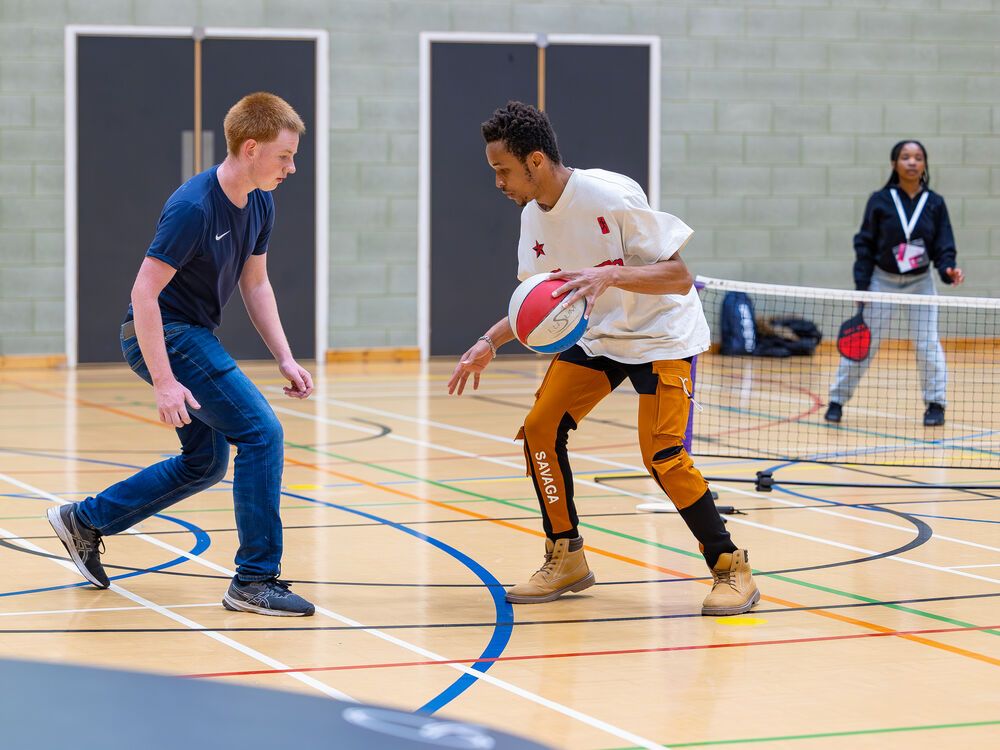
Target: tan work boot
(565,569)
(734,591)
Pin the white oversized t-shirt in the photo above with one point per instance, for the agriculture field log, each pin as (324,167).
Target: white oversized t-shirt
(603,218)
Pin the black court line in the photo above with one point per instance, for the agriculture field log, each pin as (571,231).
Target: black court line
(527,407)
(624,514)
(924,534)
(914,482)
(878,504)
(383,430)
(492,623)
(860,469)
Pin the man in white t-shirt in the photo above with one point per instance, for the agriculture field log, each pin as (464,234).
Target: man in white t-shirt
(595,230)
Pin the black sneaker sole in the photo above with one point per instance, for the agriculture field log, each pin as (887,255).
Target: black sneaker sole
(56,522)
(235,605)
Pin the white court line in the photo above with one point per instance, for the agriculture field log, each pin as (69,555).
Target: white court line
(591,721)
(224,640)
(841,545)
(869,521)
(776,529)
(779,397)
(97,610)
(583,456)
(519,465)
(988,565)
(377,394)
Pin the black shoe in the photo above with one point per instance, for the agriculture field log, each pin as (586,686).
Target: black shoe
(270,597)
(834,412)
(82,542)
(934,416)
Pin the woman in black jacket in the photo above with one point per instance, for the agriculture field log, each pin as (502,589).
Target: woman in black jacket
(905,230)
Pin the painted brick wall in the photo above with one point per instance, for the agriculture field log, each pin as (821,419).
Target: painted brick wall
(777,120)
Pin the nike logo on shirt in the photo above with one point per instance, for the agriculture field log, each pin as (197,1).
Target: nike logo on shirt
(220,236)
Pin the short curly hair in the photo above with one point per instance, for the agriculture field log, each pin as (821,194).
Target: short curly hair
(523,129)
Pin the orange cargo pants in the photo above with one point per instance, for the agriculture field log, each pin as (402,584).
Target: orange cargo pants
(575,384)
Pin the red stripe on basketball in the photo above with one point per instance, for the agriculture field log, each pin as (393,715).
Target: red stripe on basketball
(536,306)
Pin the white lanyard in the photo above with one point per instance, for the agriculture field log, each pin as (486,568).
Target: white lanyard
(908,226)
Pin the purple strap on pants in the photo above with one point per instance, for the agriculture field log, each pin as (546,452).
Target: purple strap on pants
(694,369)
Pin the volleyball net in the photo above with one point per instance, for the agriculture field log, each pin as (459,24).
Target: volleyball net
(780,354)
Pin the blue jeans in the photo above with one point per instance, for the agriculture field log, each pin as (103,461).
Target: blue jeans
(233,412)
(923,324)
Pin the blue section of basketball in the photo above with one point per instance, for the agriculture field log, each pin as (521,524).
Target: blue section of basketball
(565,342)
(540,321)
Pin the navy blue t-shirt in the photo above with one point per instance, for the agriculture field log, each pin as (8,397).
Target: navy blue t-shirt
(208,240)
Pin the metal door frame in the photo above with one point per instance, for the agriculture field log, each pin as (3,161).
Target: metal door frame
(427,38)
(322,156)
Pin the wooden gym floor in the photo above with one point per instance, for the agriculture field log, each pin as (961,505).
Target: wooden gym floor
(405,512)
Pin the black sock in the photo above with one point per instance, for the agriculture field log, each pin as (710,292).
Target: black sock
(571,534)
(708,528)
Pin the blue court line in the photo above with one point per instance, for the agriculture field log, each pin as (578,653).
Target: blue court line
(504,611)
(914,442)
(202,541)
(951,518)
(864,506)
(944,444)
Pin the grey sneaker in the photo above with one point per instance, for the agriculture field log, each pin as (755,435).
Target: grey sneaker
(82,542)
(270,597)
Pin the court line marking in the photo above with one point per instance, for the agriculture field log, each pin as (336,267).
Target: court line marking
(501,633)
(223,639)
(572,713)
(521,624)
(462,683)
(988,565)
(504,612)
(832,615)
(613,652)
(844,733)
(613,555)
(202,542)
(860,506)
(851,547)
(595,459)
(97,610)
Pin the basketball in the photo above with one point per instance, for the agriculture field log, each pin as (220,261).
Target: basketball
(537,319)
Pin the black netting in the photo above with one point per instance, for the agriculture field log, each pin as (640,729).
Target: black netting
(772,403)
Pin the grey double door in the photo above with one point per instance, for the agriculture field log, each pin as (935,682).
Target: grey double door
(135,135)
(597,98)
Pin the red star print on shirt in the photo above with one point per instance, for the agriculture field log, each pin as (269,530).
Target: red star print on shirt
(538,249)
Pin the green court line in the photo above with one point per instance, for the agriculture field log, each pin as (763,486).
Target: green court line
(900,607)
(821,735)
(639,540)
(914,441)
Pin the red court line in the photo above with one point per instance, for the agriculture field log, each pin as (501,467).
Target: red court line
(817,405)
(535,532)
(615,652)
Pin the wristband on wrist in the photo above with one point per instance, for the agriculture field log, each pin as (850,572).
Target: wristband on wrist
(493,348)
